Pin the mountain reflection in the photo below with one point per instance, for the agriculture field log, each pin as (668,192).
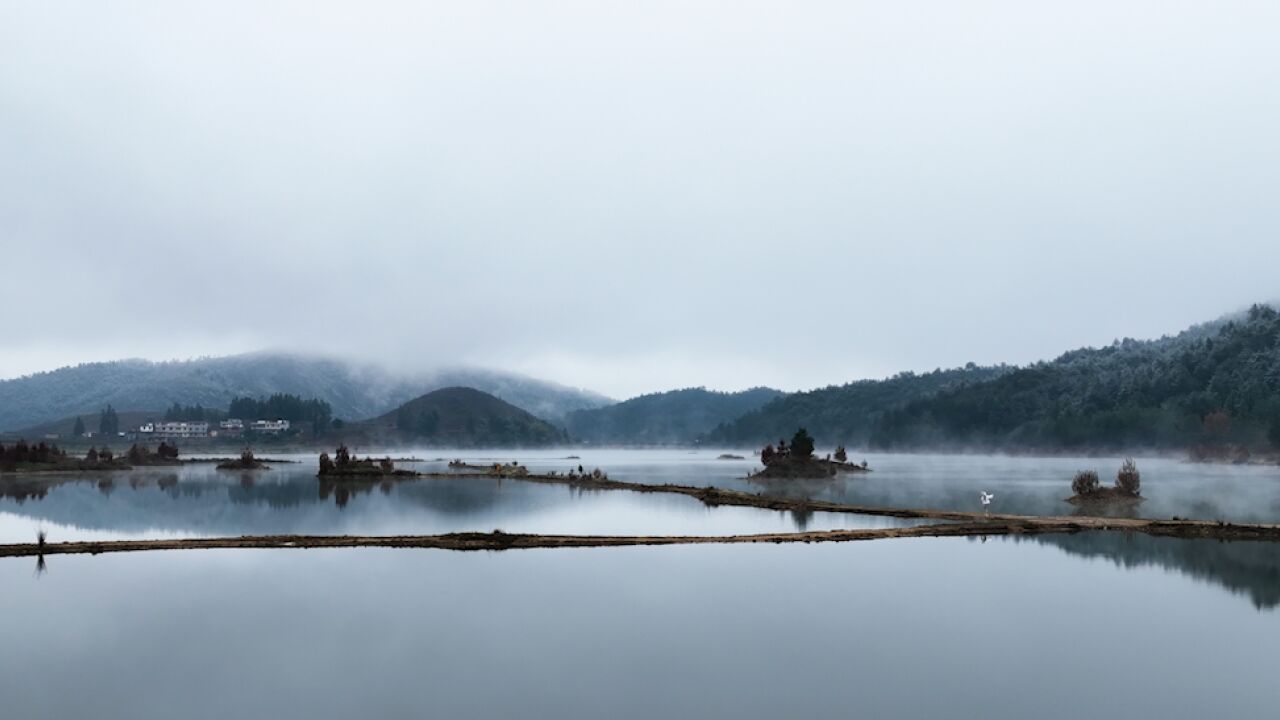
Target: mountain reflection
(1246,568)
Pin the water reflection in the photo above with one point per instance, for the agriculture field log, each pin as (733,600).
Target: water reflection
(899,629)
(1251,569)
(200,500)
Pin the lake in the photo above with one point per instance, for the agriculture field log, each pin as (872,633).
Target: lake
(1095,624)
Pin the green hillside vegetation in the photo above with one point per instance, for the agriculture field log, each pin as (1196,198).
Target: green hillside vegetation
(466,417)
(1211,388)
(675,417)
(352,391)
(846,414)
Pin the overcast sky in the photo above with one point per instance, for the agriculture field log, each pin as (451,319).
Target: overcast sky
(632,196)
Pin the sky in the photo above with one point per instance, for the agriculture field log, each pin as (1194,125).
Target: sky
(632,196)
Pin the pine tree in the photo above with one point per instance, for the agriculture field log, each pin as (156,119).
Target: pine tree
(78,430)
(801,444)
(108,422)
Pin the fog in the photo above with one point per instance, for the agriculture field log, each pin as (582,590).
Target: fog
(632,197)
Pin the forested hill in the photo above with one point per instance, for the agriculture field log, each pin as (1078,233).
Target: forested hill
(844,414)
(1216,384)
(675,417)
(354,391)
(466,417)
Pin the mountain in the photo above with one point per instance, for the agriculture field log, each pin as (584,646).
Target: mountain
(466,417)
(1215,385)
(355,391)
(678,416)
(841,414)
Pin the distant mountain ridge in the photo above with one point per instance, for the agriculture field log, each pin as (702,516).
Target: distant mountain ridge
(1214,387)
(842,414)
(356,391)
(674,417)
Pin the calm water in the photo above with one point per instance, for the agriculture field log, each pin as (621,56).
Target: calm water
(885,629)
(199,500)
(1091,625)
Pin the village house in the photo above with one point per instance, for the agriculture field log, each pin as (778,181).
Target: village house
(175,429)
(272,427)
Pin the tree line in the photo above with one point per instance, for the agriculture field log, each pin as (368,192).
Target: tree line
(1201,390)
(22,453)
(281,406)
(1213,389)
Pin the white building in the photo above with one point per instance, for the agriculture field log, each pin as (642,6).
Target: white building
(179,429)
(274,427)
(234,424)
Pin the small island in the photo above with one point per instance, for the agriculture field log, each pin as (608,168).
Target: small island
(502,470)
(166,454)
(345,465)
(246,461)
(796,461)
(1126,490)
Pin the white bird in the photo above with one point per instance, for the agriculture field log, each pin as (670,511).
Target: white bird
(986,498)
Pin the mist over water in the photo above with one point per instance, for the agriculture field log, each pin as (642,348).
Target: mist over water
(199,501)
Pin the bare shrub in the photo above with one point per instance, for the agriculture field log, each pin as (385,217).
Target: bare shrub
(1129,480)
(1086,482)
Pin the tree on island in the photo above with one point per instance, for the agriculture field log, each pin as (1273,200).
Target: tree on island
(78,430)
(841,455)
(108,422)
(1086,483)
(768,455)
(1129,480)
(801,444)
(1087,486)
(796,460)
